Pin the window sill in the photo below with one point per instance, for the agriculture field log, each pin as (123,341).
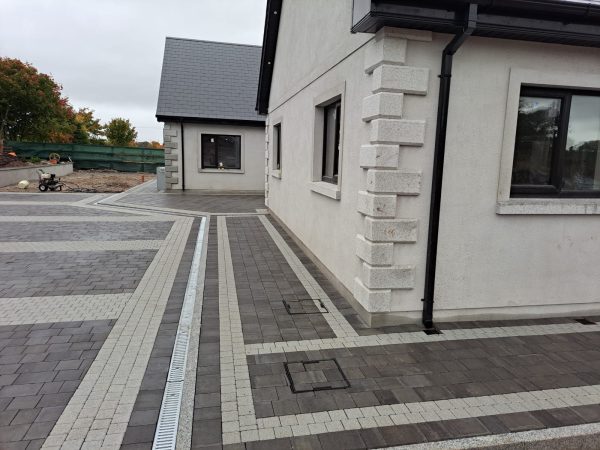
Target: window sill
(276,174)
(221,170)
(549,206)
(327,189)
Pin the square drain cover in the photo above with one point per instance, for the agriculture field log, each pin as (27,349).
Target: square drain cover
(305,306)
(317,375)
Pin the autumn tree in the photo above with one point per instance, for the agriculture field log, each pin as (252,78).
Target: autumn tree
(87,129)
(32,107)
(150,144)
(120,132)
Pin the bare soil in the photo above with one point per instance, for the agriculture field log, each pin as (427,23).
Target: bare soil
(92,181)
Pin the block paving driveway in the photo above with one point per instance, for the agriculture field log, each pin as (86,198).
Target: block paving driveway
(119,314)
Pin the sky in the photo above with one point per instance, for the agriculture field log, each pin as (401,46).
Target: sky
(107,54)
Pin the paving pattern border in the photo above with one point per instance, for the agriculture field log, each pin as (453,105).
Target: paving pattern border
(68,308)
(87,218)
(583,436)
(111,385)
(336,321)
(418,337)
(80,246)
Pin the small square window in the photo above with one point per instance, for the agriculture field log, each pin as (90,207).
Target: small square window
(557,146)
(220,151)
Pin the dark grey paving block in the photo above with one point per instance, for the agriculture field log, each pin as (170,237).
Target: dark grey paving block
(264,280)
(26,274)
(57,210)
(31,401)
(83,231)
(198,202)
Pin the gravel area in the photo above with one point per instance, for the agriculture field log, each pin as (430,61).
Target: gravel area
(92,181)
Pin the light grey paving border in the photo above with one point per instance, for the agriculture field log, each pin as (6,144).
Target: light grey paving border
(169,419)
(140,207)
(419,337)
(141,218)
(237,406)
(98,412)
(34,203)
(78,246)
(186,417)
(432,411)
(335,319)
(582,437)
(69,308)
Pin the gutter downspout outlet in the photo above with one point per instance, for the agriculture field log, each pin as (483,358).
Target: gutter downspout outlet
(438,162)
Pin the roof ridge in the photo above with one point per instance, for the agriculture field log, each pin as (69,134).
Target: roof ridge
(212,42)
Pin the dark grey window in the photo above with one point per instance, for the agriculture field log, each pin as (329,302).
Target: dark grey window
(331,141)
(221,151)
(277,146)
(557,146)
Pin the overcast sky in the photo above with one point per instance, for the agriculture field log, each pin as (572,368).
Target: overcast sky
(107,54)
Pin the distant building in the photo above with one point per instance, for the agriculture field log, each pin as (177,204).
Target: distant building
(214,139)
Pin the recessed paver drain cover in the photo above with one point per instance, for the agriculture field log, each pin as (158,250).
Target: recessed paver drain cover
(317,375)
(305,306)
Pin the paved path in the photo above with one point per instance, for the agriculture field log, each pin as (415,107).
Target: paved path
(93,315)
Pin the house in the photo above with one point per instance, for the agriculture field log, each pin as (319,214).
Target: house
(214,138)
(440,159)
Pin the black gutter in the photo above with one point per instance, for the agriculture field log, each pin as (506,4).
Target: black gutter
(438,161)
(182,159)
(267,63)
(212,120)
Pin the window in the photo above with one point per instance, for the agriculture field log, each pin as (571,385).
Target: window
(331,141)
(277,146)
(221,151)
(557,146)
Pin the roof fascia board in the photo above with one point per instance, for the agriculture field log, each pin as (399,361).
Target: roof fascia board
(501,19)
(267,62)
(211,120)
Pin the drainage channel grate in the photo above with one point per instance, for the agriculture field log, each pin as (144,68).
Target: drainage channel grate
(305,306)
(165,436)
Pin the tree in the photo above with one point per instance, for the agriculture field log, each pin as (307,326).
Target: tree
(87,129)
(120,132)
(149,144)
(31,104)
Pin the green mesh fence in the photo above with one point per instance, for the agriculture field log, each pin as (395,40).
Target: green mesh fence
(123,159)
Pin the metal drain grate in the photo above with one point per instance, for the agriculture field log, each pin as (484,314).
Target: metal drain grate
(165,436)
(430,331)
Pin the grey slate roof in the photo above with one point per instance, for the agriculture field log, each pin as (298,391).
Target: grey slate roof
(209,80)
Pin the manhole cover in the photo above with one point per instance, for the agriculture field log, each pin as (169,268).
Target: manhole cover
(305,306)
(317,375)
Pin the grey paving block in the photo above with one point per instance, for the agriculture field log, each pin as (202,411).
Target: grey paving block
(83,231)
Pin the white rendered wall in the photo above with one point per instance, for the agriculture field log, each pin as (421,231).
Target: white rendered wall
(489,264)
(509,264)
(249,178)
(310,62)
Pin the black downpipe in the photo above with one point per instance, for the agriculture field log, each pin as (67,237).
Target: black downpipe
(182,160)
(438,162)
